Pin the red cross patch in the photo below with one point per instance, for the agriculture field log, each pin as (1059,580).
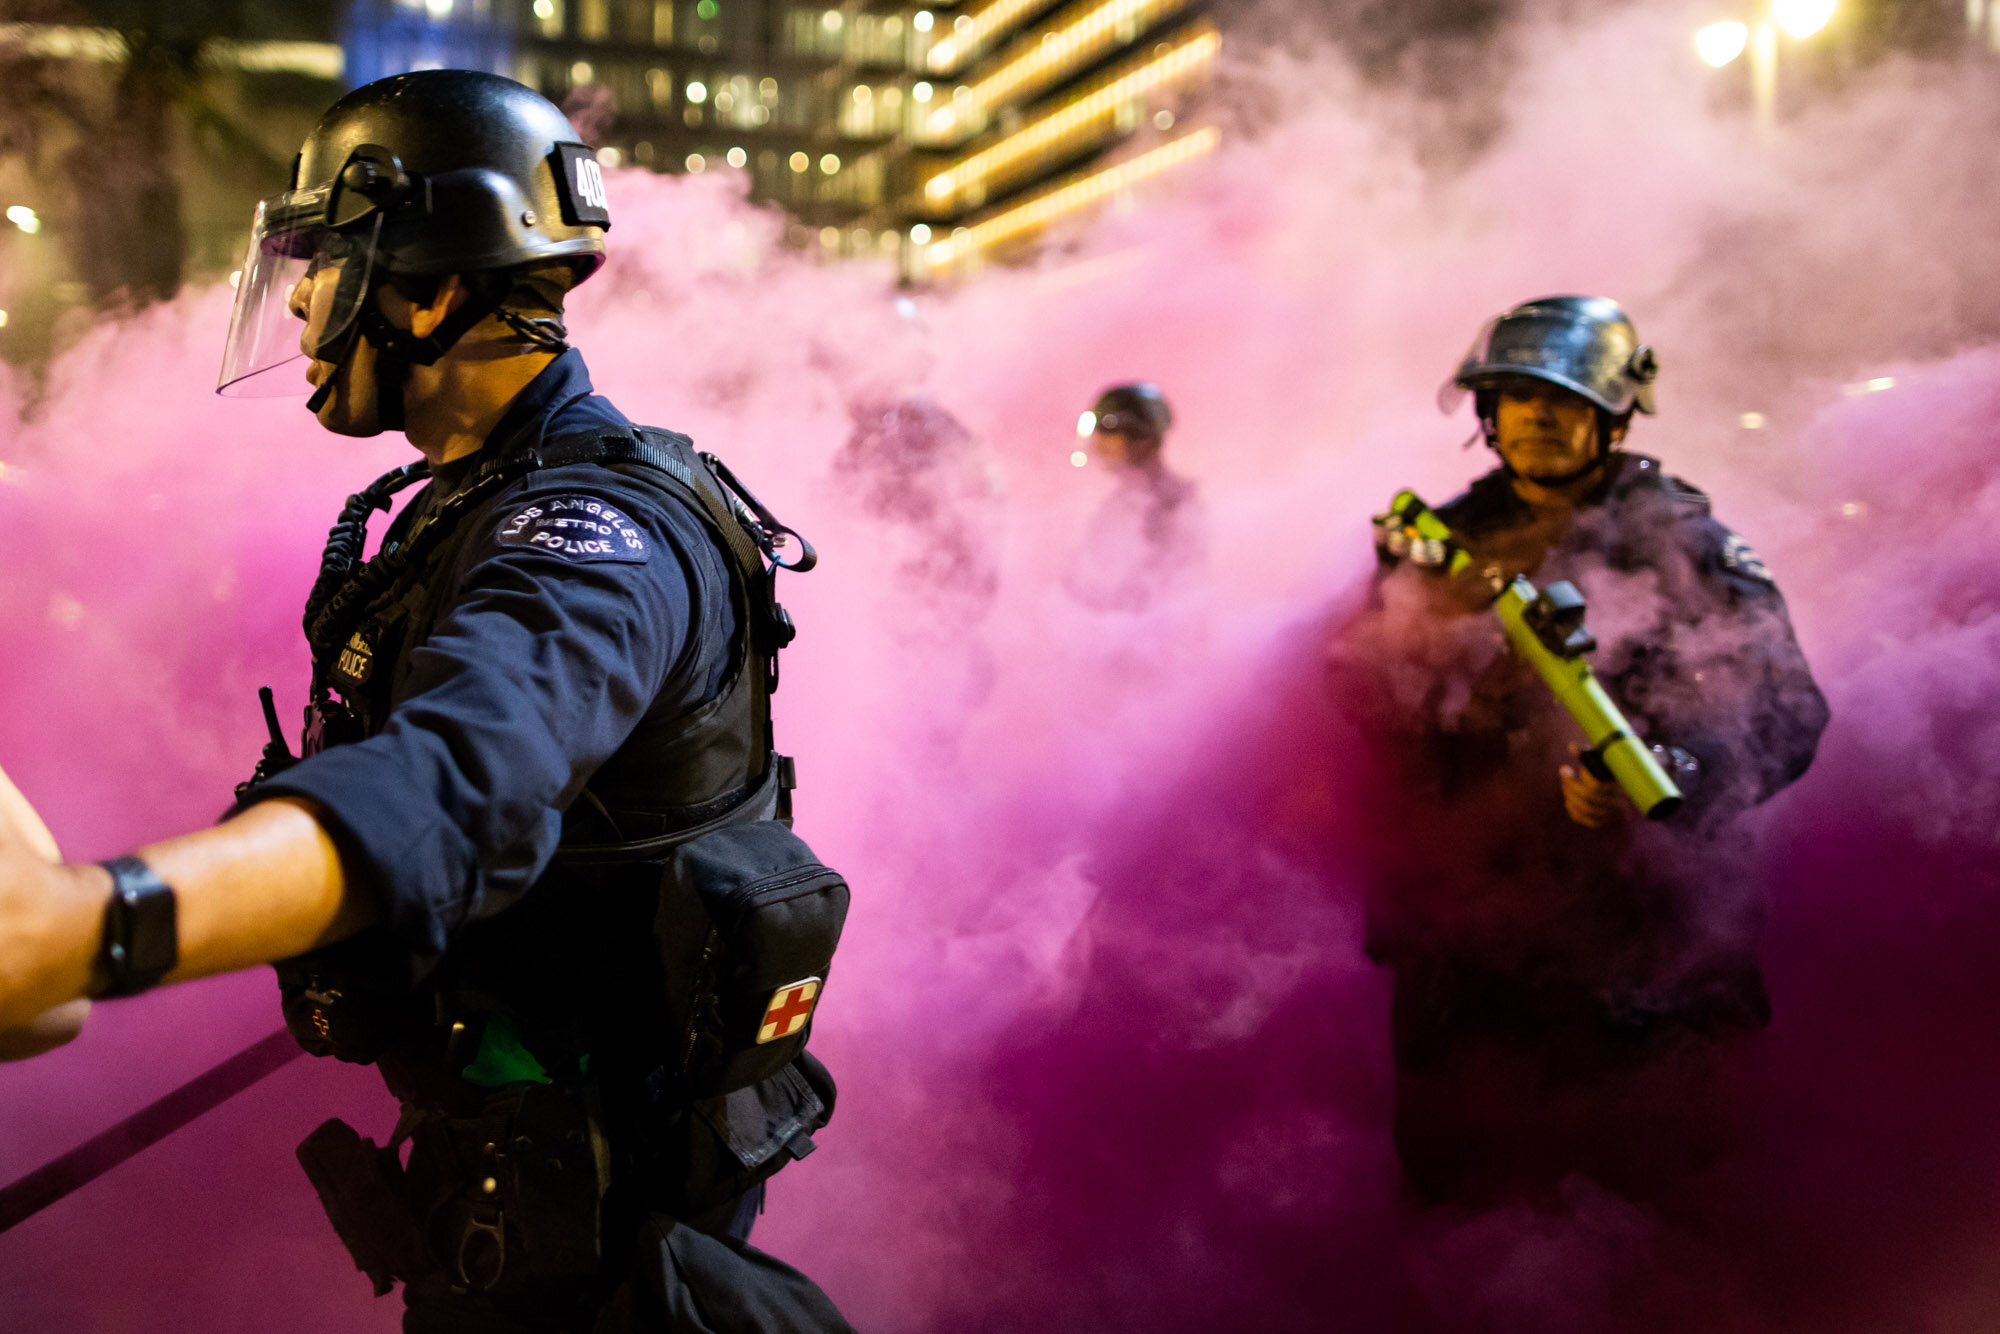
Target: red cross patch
(791,1005)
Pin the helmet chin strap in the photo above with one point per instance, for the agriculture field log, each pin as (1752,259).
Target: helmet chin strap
(396,350)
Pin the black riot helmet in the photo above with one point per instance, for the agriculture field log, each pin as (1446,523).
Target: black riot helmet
(417,175)
(1137,411)
(1585,344)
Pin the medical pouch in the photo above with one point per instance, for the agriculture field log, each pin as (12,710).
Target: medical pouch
(747,925)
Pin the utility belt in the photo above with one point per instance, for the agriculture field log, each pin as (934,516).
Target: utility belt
(511,1165)
(519,1197)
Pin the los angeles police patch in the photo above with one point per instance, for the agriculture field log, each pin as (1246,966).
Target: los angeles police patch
(578,528)
(1739,558)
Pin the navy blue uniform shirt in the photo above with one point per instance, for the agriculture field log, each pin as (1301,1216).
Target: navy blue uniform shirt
(579,604)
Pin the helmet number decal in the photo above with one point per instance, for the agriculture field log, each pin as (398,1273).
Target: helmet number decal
(580,186)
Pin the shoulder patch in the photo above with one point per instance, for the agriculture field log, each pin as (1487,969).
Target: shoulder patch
(576,527)
(1739,558)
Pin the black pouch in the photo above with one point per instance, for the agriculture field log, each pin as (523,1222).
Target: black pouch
(334,1009)
(721,1148)
(558,1166)
(361,1187)
(747,925)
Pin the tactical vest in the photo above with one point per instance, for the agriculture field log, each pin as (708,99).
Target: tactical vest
(715,765)
(362,620)
(744,916)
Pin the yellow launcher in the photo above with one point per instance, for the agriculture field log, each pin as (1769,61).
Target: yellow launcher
(1545,627)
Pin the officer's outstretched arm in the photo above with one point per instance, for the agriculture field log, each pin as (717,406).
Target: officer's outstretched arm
(263,886)
(55,1027)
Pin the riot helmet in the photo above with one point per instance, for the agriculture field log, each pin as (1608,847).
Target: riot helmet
(1138,412)
(1584,344)
(417,175)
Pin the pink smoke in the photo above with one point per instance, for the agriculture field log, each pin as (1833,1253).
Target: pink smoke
(1110,1056)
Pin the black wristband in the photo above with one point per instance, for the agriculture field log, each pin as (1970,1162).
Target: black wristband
(141,938)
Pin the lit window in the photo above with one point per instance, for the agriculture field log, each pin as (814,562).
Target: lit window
(800,162)
(737,157)
(696,162)
(962,24)
(609,156)
(831,20)
(697,92)
(767,89)
(581,72)
(545,9)
(920,234)
(438,9)
(830,163)
(922,92)
(923,21)
(829,237)
(863,93)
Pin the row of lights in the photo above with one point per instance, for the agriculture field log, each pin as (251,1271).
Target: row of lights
(1047,207)
(974,31)
(1058,52)
(1720,43)
(1176,62)
(829,163)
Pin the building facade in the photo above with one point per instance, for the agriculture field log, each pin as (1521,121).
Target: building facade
(943,135)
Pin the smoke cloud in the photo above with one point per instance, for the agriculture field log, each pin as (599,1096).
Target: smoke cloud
(1111,1056)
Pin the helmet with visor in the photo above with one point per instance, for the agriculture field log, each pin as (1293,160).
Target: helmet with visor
(420,175)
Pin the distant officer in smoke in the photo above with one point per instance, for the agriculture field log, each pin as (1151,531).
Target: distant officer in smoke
(931,487)
(1564,971)
(1150,526)
(538,768)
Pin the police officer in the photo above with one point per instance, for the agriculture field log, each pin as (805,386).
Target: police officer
(1150,526)
(1564,970)
(555,671)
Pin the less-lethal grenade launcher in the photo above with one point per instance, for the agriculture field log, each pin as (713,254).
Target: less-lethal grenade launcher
(1544,627)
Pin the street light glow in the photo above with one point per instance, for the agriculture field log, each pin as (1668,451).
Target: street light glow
(1720,43)
(1803,18)
(24,217)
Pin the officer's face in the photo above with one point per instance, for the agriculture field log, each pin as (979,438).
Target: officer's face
(1114,448)
(1119,450)
(350,409)
(1545,431)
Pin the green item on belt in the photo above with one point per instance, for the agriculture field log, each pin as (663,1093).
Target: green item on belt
(502,1059)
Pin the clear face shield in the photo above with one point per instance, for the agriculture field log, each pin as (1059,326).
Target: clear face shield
(300,295)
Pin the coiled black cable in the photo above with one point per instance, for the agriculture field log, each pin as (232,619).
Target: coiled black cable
(349,535)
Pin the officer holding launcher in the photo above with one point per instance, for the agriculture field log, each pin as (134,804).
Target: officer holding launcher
(1564,967)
